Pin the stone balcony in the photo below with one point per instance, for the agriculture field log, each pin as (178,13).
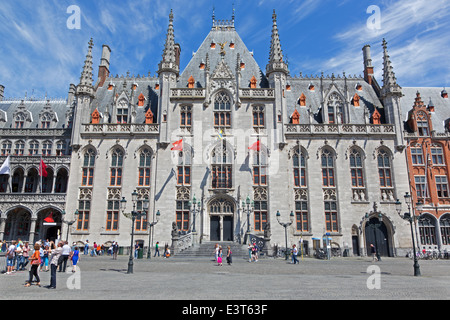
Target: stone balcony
(339,129)
(129,129)
(257,93)
(187,93)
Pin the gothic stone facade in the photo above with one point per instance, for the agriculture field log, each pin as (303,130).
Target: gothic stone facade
(328,149)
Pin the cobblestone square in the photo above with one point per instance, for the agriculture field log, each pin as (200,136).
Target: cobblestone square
(196,279)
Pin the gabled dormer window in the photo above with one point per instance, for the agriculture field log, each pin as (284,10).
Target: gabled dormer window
(19,121)
(422,124)
(122,112)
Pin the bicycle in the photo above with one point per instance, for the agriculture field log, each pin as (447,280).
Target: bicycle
(320,254)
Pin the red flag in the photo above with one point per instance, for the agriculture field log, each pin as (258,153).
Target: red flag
(49,218)
(178,145)
(43,169)
(256,146)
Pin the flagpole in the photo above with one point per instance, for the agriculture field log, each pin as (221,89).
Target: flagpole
(40,173)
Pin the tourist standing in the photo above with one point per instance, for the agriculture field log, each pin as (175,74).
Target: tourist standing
(56,253)
(156,249)
(75,256)
(86,248)
(65,254)
(35,262)
(294,254)
(26,255)
(250,249)
(219,256)
(229,258)
(10,258)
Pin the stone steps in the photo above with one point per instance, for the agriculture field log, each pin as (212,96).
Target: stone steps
(206,249)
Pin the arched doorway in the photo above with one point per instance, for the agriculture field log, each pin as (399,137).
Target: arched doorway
(48,225)
(376,233)
(18,224)
(221,213)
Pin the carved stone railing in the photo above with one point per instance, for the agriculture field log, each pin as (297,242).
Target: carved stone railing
(34,132)
(187,93)
(264,93)
(32,201)
(51,161)
(340,129)
(120,128)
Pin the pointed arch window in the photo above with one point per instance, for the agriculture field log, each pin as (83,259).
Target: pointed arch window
(116,168)
(327,161)
(144,168)
(260,163)
(184,166)
(335,109)
(427,230)
(221,167)
(356,169)
(122,111)
(19,120)
(87,179)
(299,166)
(222,110)
(19,148)
(384,169)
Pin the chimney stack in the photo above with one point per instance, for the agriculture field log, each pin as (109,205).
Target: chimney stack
(2,92)
(368,68)
(103,70)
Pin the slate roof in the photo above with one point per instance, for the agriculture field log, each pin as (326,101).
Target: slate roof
(34,107)
(430,96)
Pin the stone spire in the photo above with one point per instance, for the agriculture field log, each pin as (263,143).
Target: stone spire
(86,80)
(276,62)
(169,60)
(389,80)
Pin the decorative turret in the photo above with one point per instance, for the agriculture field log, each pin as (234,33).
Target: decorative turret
(86,80)
(169,57)
(276,62)
(390,85)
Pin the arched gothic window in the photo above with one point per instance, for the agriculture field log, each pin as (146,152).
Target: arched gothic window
(335,109)
(116,167)
(221,164)
(88,168)
(222,110)
(144,168)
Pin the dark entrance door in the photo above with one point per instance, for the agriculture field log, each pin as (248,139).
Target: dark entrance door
(378,236)
(355,245)
(227,228)
(215,228)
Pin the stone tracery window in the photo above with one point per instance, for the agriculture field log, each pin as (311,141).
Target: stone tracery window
(335,109)
(222,110)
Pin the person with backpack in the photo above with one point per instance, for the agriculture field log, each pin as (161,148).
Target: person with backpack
(10,258)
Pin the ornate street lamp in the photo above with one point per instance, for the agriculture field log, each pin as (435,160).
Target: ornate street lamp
(134,214)
(250,206)
(69,223)
(408,217)
(151,225)
(285,226)
(195,209)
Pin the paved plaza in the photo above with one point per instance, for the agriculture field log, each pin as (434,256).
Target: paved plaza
(268,279)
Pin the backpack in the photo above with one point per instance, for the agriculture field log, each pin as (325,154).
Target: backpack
(11,254)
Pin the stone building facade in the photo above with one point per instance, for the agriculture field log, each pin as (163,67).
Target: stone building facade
(245,143)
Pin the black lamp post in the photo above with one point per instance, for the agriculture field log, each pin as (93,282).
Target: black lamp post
(408,217)
(69,223)
(195,209)
(285,226)
(151,225)
(250,205)
(134,214)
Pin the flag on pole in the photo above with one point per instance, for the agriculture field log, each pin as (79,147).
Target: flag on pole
(49,218)
(177,145)
(42,169)
(221,134)
(256,146)
(5,168)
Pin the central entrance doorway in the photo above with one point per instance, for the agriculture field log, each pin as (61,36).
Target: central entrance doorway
(221,221)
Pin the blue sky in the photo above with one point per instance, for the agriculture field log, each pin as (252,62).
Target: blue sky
(39,54)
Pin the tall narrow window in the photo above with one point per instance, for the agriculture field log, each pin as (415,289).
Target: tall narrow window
(260,215)
(186,117)
(84,209)
(182,215)
(427,230)
(184,166)
(19,121)
(222,110)
(260,167)
(19,148)
(422,124)
(335,109)
(6,147)
(221,167)
(356,169)
(442,186)
(87,179)
(437,155)
(33,148)
(144,168)
(299,165)
(141,221)
(445,229)
(384,169)
(331,221)
(327,169)
(416,155)
(122,112)
(421,186)
(301,215)
(116,168)
(258,117)
(112,215)
(46,148)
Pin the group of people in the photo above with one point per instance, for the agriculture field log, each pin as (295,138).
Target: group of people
(252,252)
(43,253)
(218,255)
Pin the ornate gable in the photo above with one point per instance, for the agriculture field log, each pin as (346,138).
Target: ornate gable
(222,71)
